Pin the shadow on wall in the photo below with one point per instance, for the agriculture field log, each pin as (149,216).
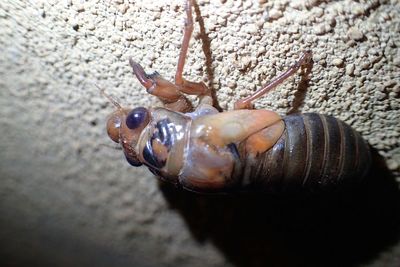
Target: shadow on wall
(341,229)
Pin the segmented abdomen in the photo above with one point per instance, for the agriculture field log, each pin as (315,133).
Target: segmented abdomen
(316,152)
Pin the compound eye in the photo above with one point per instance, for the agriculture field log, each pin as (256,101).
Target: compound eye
(136,117)
(133,162)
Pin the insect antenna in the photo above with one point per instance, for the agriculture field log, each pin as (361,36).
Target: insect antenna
(112,100)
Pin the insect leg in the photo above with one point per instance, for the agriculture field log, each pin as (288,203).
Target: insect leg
(154,83)
(167,92)
(246,103)
(172,95)
(188,30)
(187,87)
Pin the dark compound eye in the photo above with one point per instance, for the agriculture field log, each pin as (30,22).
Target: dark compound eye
(133,162)
(136,117)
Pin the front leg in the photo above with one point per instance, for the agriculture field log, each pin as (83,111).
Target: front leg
(167,92)
(172,95)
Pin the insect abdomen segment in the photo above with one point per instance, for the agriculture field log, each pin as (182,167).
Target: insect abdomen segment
(315,152)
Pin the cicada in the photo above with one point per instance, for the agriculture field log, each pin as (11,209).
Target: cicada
(204,150)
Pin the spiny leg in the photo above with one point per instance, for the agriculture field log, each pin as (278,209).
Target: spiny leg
(246,103)
(167,92)
(155,84)
(172,94)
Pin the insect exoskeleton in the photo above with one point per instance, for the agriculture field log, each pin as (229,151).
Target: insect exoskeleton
(242,149)
(315,153)
(204,150)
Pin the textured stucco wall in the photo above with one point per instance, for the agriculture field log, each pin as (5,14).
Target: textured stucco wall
(69,199)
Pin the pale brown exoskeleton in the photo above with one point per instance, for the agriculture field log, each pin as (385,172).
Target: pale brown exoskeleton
(204,150)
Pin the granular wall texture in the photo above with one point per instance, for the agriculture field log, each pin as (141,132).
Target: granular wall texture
(68,197)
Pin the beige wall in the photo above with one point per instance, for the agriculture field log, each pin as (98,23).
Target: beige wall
(68,196)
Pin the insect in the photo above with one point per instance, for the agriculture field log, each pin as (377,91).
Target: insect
(204,150)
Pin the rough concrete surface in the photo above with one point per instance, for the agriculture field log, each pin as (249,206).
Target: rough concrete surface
(68,198)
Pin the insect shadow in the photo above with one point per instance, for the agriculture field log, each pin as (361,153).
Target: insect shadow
(301,91)
(338,229)
(206,46)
